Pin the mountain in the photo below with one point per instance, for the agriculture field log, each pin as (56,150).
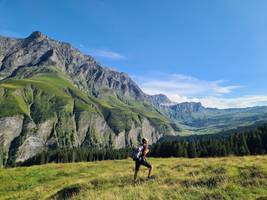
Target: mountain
(194,118)
(52,95)
(159,100)
(23,57)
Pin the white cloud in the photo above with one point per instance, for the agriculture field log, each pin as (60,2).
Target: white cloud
(239,102)
(106,54)
(182,88)
(185,86)
(220,102)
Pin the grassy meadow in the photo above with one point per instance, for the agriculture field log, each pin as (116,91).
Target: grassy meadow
(175,178)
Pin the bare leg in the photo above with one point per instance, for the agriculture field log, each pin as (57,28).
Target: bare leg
(149,171)
(135,175)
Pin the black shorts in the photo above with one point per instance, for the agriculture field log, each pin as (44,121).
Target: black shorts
(141,162)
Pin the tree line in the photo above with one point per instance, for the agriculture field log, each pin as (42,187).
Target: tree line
(249,142)
(76,155)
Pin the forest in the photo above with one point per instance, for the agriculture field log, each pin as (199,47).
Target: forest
(249,142)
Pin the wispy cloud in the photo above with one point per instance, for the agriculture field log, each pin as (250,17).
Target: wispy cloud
(107,54)
(102,53)
(185,85)
(182,88)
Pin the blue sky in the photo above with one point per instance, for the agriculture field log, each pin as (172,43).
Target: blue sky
(213,51)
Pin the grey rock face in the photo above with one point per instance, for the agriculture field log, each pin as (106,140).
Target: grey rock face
(84,129)
(150,132)
(10,128)
(38,50)
(36,141)
(40,137)
(159,100)
(183,111)
(133,136)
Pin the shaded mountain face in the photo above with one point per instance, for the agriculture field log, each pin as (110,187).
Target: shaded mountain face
(53,96)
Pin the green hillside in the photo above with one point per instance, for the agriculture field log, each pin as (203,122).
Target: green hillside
(44,94)
(50,93)
(203,178)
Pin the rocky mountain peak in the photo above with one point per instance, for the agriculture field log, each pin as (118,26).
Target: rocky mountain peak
(36,35)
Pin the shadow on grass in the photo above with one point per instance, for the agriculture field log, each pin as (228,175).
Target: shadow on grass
(66,193)
(261,198)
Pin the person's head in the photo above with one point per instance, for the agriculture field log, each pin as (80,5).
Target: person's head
(144,141)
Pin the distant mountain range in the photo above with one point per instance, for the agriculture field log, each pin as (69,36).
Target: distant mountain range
(52,95)
(194,118)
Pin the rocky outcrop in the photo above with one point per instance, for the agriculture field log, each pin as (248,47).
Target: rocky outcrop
(134,135)
(36,140)
(10,128)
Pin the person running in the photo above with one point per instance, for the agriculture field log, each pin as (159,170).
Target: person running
(140,159)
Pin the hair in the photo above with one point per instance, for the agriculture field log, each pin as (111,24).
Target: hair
(144,140)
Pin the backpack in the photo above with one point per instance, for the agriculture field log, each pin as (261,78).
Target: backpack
(137,152)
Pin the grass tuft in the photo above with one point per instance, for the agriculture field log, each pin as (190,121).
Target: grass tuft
(253,176)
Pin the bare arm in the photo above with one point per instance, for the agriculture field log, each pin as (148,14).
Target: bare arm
(145,152)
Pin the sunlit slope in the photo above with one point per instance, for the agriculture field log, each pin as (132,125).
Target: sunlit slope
(203,178)
(42,95)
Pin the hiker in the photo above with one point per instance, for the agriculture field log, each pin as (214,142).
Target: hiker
(140,158)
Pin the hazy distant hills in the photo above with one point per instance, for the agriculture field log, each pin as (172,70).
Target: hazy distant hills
(198,119)
(52,95)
